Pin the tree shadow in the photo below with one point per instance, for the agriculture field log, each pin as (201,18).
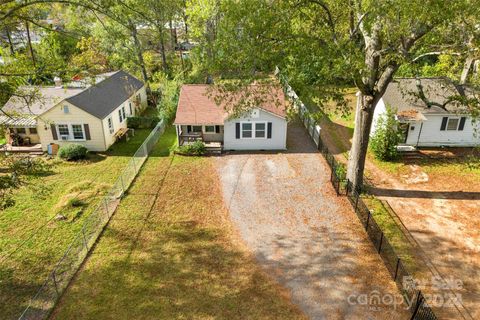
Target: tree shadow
(454,195)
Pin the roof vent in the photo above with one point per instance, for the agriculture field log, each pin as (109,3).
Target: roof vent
(58,82)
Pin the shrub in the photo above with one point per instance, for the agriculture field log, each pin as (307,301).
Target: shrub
(385,138)
(142,122)
(72,152)
(196,149)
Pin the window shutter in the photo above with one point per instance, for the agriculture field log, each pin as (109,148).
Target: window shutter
(444,124)
(269,130)
(54,131)
(237,130)
(217,129)
(87,131)
(462,123)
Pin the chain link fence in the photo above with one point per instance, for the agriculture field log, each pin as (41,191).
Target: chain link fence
(418,305)
(44,300)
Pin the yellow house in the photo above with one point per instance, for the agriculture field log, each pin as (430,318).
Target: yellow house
(90,116)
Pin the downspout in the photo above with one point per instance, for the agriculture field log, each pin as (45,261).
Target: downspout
(419,134)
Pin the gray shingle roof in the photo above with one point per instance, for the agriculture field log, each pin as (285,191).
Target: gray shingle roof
(403,95)
(104,97)
(41,100)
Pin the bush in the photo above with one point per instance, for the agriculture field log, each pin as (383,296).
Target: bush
(72,152)
(142,122)
(385,139)
(195,149)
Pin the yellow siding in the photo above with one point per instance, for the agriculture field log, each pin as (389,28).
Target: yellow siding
(109,137)
(101,138)
(75,116)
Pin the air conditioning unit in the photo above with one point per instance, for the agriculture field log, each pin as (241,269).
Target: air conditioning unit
(64,137)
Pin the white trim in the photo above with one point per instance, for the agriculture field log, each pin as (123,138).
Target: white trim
(70,131)
(448,122)
(204,129)
(254,127)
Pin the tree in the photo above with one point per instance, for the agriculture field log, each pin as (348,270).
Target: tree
(385,139)
(361,41)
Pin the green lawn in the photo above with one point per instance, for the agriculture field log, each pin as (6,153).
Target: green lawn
(171,252)
(31,239)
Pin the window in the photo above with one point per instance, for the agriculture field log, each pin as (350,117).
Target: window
(247,130)
(194,129)
(452,124)
(66,109)
(21,131)
(33,130)
(63,130)
(209,129)
(110,125)
(255,130)
(138,99)
(77,130)
(123,113)
(260,130)
(130,108)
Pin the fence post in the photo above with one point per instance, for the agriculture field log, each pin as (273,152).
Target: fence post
(356,200)
(84,238)
(396,270)
(134,166)
(417,305)
(380,244)
(55,283)
(106,206)
(123,185)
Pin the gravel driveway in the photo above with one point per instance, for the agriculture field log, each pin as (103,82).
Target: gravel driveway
(305,236)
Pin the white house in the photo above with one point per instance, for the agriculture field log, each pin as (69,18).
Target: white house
(427,115)
(91,115)
(263,127)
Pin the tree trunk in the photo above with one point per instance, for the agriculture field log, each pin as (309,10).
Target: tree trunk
(32,54)
(466,70)
(361,136)
(162,50)
(139,52)
(9,38)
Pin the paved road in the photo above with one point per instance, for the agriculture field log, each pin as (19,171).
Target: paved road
(309,240)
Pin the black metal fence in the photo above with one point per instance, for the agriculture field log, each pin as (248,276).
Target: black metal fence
(416,300)
(44,300)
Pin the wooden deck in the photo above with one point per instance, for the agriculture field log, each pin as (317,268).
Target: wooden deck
(34,148)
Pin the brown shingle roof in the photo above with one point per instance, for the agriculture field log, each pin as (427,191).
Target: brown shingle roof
(197,106)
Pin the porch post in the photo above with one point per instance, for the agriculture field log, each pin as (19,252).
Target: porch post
(177,128)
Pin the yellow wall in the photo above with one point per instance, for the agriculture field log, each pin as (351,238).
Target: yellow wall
(75,116)
(109,138)
(101,139)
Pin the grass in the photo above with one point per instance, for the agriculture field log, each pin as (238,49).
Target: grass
(32,239)
(171,252)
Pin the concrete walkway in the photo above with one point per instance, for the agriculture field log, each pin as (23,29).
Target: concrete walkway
(309,239)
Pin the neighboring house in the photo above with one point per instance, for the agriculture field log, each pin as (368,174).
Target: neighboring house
(261,128)
(427,116)
(90,116)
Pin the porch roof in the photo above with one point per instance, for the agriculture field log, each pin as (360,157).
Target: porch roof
(18,122)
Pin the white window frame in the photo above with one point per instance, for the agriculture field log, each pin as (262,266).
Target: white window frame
(111,128)
(130,107)
(123,113)
(448,122)
(254,127)
(70,131)
(209,132)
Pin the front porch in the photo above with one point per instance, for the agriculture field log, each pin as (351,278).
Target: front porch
(210,135)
